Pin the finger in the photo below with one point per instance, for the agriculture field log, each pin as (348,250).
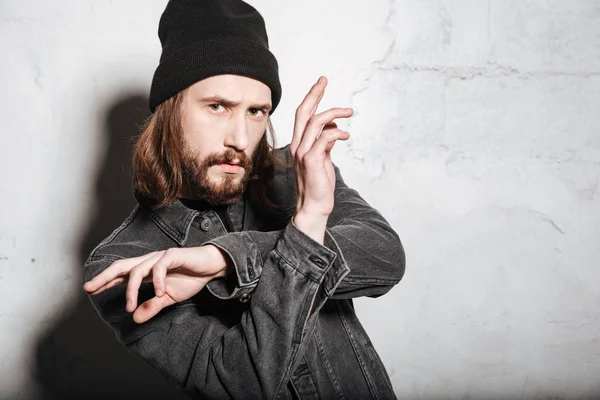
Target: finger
(323,81)
(116,269)
(118,281)
(172,258)
(159,273)
(150,308)
(115,282)
(136,275)
(316,124)
(299,182)
(328,127)
(325,143)
(307,109)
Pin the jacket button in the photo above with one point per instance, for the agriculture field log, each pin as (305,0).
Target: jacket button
(206,224)
(317,261)
(244,298)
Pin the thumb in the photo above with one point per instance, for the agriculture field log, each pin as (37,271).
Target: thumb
(152,307)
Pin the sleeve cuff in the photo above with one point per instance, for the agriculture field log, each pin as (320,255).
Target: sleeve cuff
(312,259)
(309,257)
(340,268)
(247,264)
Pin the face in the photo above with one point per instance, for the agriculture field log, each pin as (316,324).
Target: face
(223,119)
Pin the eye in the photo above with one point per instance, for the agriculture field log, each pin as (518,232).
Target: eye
(256,112)
(216,107)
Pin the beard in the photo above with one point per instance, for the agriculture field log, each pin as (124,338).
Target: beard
(226,189)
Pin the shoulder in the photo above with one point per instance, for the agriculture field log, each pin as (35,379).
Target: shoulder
(137,235)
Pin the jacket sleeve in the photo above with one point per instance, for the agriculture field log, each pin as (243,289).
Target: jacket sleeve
(197,348)
(360,236)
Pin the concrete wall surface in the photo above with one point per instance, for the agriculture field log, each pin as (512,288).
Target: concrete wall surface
(477,135)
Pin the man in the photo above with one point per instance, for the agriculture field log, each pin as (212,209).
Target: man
(280,242)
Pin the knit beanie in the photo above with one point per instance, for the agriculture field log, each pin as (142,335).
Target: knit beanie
(204,38)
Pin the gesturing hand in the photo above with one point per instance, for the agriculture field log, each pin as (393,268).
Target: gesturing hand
(314,137)
(177,275)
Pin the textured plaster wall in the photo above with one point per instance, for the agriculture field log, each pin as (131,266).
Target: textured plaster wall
(476,135)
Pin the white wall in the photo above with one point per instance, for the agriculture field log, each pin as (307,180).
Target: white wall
(477,136)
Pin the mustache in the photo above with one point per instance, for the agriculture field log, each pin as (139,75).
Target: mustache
(228,156)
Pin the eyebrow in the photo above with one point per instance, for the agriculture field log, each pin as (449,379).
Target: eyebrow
(230,103)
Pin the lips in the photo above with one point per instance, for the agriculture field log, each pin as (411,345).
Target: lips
(231,167)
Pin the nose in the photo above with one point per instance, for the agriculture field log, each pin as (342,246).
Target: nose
(237,137)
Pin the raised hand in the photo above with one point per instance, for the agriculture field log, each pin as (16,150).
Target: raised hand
(314,137)
(177,274)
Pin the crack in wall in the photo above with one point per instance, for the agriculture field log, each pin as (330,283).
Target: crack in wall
(446,26)
(19,21)
(380,61)
(489,70)
(369,70)
(493,70)
(548,219)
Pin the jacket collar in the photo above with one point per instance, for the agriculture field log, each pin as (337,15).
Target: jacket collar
(175,220)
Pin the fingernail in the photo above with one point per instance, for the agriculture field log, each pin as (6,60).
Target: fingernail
(159,292)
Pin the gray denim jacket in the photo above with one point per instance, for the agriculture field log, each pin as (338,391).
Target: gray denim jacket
(285,326)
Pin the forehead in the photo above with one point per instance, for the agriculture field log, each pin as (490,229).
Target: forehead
(232,87)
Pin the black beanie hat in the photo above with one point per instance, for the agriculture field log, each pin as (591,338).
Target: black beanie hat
(204,38)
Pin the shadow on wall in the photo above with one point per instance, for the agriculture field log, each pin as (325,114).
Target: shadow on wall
(80,357)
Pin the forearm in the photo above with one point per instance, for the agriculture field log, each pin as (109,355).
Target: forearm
(374,267)
(356,232)
(374,254)
(251,359)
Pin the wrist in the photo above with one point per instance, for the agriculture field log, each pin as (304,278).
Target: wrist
(313,225)
(220,260)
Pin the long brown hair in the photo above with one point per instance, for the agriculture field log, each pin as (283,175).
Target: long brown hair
(157,169)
